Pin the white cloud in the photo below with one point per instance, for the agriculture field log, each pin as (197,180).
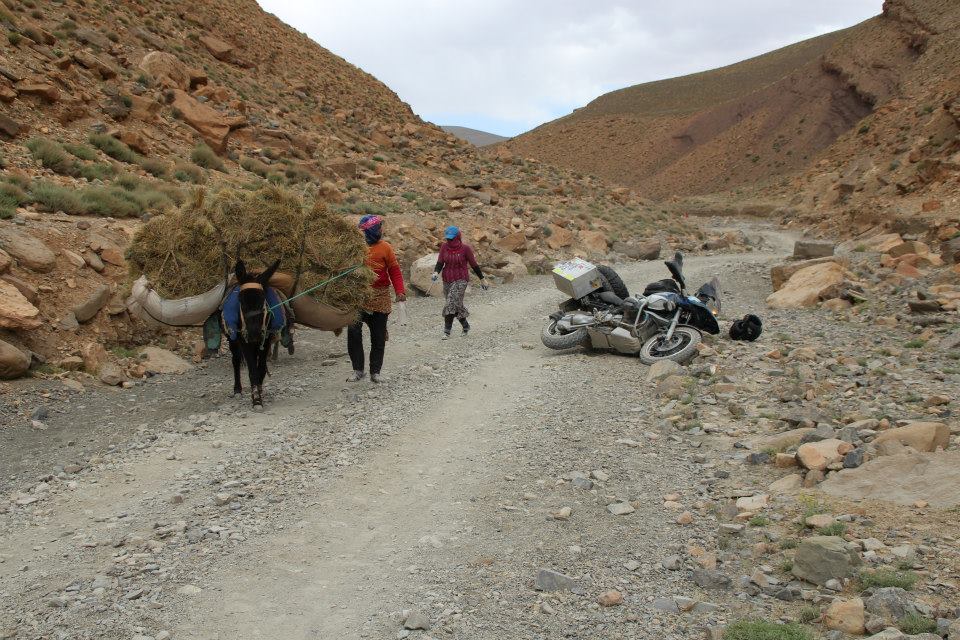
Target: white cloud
(509,65)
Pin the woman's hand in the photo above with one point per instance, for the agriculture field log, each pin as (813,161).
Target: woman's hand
(484,285)
(401,297)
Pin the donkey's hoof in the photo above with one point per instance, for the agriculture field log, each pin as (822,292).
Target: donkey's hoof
(237,392)
(258,408)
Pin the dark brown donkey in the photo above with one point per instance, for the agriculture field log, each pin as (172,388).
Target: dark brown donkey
(252,326)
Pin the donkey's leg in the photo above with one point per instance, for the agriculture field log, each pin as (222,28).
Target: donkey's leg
(252,369)
(237,355)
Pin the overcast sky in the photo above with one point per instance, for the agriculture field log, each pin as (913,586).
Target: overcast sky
(506,66)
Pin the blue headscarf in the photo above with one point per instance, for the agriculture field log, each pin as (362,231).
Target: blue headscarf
(372,227)
(451,232)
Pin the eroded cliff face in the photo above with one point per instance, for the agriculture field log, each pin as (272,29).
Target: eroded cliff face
(899,168)
(805,110)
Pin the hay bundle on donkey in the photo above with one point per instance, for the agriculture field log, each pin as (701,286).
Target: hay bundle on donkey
(192,250)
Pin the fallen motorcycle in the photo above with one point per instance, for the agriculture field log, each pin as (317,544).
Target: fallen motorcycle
(663,324)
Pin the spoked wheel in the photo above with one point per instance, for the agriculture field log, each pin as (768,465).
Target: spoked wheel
(681,347)
(552,338)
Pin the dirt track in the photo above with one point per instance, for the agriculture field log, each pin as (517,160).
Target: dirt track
(343,505)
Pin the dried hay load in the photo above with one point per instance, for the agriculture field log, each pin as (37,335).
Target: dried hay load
(193,249)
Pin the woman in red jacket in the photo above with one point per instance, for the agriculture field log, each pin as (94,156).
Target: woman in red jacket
(383,261)
(455,261)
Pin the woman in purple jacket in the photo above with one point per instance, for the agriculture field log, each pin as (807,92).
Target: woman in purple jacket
(455,262)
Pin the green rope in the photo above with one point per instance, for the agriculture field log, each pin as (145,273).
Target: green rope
(315,287)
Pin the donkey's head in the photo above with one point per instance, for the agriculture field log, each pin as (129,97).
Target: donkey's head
(253,301)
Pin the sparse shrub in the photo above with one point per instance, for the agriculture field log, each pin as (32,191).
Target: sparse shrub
(108,201)
(97,171)
(763,630)
(759,521)
(51,155)
(835,529)
(155,167)
(81,151)
(204,156)
(915,624)
(410,196)
(185,172)
(916,343)
(808,614)
(8,206)
(114,148)
(53,197)
(887,578)
(864,129)
(14,38)
(255,166)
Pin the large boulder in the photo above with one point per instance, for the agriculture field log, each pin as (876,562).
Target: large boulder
(421,272)
(806,249)
(922,436)
(559,237)
(594,242)
(820,455)
(158,360)
(806,287)
(780,273)
(16,312)
(218,48)
(87,309)
(646,250)
(507,266)
(29,251)
(213,126)
(515,242)
(883,242)
(846,615)
(13,362)
(822,558)
(903,479)
(890,604)
(166,70)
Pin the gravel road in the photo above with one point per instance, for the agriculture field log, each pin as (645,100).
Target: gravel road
(172,510)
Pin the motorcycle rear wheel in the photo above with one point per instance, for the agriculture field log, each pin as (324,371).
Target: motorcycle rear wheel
(553,339)
(681,348)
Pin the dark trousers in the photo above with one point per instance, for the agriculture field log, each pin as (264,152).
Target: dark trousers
(448,323)
(377,322)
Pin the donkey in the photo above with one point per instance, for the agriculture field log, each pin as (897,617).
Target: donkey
(252,326)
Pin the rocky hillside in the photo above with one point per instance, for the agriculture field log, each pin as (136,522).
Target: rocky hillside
(112,114)
(761,119)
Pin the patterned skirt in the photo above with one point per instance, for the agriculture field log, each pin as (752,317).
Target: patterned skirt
(379,301)
(454,292)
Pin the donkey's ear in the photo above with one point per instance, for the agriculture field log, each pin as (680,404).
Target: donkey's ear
(266,275)
(240,270)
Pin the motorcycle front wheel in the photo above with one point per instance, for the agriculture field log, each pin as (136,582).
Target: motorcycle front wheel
(553,339)
(681,348)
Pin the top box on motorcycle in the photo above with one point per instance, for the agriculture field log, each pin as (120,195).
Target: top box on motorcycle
(577,278)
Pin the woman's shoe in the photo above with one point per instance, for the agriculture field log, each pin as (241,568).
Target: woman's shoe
(375,378)
(357,376)
(445,336)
